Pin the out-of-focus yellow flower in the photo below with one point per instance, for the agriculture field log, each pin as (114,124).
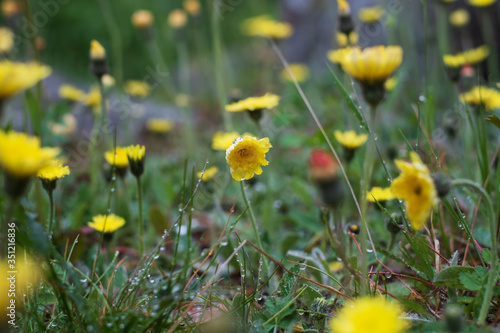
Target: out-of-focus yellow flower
(97,51)
(416,187)
(476,55)
(369,314)
(67,127)
(177,18)
(246,156)
(11,8)
(380,194)
(139,89)
(6,40)
(268,101)
(71,93)
(21,155)
(106,223)
(459,18)
(337,56)
(93,99)
(136,156)
(159,125)
(343,7)
(54,171)
(142,19)
(350,139)
(17,76)
(208,174)
(107,80)
(391,83)
(335,266)
(117,157)
(265,26)
(299,71)
(371,14)
(454,61)
(193,7)
(481,3)
(223,140)
(343,40)
(482,96)
(372,65)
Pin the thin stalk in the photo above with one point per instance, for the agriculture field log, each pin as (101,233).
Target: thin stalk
(52,211)
(104,114)
(141,221)
(116,41)
(486,27)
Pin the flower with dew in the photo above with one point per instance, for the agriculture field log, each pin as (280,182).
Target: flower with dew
(192,7)
(416,187)
(350,140)
(177,18)
(371,14)
(391,83)
(6,40)
(136,155)
(71,93)
(265,26)
(223,140)
(380,194)
(481,96)
(17,76)
(481,3)
(142,19)
(459,18)
(299,71)
(246,156)
(268,101)
(117,157)
(369,314)
(135,88)
(208,174)
(159,125)
(106,223)
(476,55)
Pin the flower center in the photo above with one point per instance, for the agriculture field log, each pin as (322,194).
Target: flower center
(243,152)
(417,190)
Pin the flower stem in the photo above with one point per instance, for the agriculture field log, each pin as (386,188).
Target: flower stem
(488,294)
(52,211)
(141,221)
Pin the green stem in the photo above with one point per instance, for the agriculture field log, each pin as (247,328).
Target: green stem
(116,41)
(486,27)
(104,113)
(141,221)
(52,211)
(488,295)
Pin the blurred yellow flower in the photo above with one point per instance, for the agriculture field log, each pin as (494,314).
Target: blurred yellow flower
(142,19)
(107,80)
(350,139)
(454,61)
(6,40)
(371,14)
(380,194)
(177,18)
(223,140)
(476,55)
(17,76)
(67,127)
(246,156)
(459,18)
(337,56)
(416,187)
(335,266)
(139,89)
(21,155)
(93,99)
(265,26)
(71,93)
(193,7)
(136,153)
(481,3)
(106,223)
(343,7)
(97,51)
(482,96)
(342,39)
(268,101)
(159,125)
(54,171)
(208,174)
(117,157)
(369,314)
(299,71)
(391,83)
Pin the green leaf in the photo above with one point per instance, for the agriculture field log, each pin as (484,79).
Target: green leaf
(494,120)
(35,112)
(309,295)
(472,281)
(449,277)
(288,281)
(278,305)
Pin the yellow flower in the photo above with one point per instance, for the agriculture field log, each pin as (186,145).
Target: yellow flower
(93,100)
(97,51)
(371,14)
(459,18)
(120,160)
(476,55)
(159,125)
(268,101)
(350,139)
(369,314)
(265,26)
(177,18)
(6,40)
(193,7)
(136,153)
(342,39)
(391,83)
(224,140)
(246,156)
(373,64)
(337,56)
(142,19)
(108,80)
(22,156)
(380,194)
(482,96)
(353,37)
(54,171)
(137,89)
(299,71)
(71,93)
(106,223)
(454,61)
(481,3)
(209,173)
(17,76)
(343,7)
(415,186)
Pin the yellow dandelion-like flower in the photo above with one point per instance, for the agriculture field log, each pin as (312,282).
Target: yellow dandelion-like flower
(120,160)
(454,61)
(106,223)
(299,71)
(142,19)
(342,39)
(177,18)
(459,18)
(193,7)
(55,171)
(343,7)
(108,81)
(369,314)
(391,83)
(139,89)
(482,96)
(6,40)
(380,194)
(136,153)
(373,64)
(268,101)
(476,55)
(159,125)
(481,3)
(22,156)
(371,14)
(353,37)
(16,76)
(265,26)
(337,56)
(246,156)
(350,139)
(224,140)
(209,173)
(97,51)
(71,93)
(415,186)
